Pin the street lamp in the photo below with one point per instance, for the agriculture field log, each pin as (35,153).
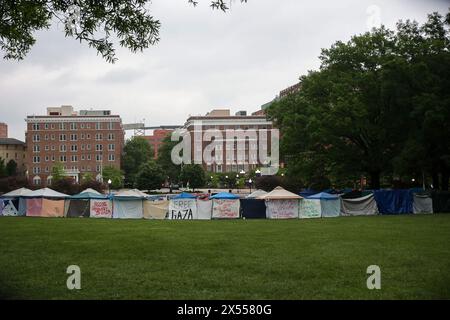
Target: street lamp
(109,185)
(250,183)
(258,172)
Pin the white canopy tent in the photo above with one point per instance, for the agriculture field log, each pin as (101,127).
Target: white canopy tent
(281,204)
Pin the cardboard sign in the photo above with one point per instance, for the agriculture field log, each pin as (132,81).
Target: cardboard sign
(282,209)
(100,209)
(310,209)
(226,208)
(182,209)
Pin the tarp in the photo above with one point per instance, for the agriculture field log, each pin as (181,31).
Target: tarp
(280,193)
(422,203)
(127,209)
(282,208)
(330,207)
(204,209)
(78,208)
(224,195)
(89,194)
(130,195)
(441,201)
(156,209)
(253,209)
(310,208)
(256,194)
(9,207)
(185,195)
(100,208)
(17,193)
(362,206)
(394,201)
(45,193)
(323,196)
(226,208)
(182,209)
(354,194)
(34,207)
(52,208)
(307,193)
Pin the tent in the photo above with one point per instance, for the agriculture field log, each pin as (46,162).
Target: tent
(256,194)
(253,208)
(394,201)
(204,208)
(45,203)
(89,203)
(225,206)
(362,206)
(156,209)
(183,207)
(128,204)
(441,201)
(13,203)
(281,204)
(422,203)
(330,205)
(307,192)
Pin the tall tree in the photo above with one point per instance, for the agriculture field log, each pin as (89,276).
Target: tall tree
(136,152)
(11,168)
(150,176)
(115,175)
(96,23)
(171,170)
(194,175)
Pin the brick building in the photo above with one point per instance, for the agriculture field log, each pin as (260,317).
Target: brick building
(3,130)
(83,142)
(13,149)
(156,139)
(225,156)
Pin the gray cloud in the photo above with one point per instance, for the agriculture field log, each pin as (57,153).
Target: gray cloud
(205,59)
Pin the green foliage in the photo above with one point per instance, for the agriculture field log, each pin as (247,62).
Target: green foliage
(11,168)
(137,151)
(58,172)
(96,23)
(3,172)
(115,175)
(150,176)
(66,185)
(87,177)
(171,170)
(378,106)
(194,175)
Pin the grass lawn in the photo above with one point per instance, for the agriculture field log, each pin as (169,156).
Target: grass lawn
(241,259)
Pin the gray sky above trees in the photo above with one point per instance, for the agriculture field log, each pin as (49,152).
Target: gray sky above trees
(205,59)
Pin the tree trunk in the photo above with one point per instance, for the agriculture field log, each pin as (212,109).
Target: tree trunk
(375,180)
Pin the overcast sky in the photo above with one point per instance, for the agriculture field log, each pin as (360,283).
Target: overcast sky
(206,59)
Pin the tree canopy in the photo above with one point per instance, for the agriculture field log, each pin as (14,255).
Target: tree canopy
(171,170)
(379,106)
(150,176)
(93,22)
(194,175)
(136,152)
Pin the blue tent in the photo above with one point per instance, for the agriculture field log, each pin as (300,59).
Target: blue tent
(394,201)
(185,195)
(89,195)
(224,195)
(323,196)
(307,192)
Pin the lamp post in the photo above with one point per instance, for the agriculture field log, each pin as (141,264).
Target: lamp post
(258,172)
(109,186)
(250,183)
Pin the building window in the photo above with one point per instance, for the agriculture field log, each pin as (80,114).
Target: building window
(47,148)
(47,158)
(83,157)
(98,157)
(74,158)
(62,137)
(111,136)
(63,158)
(73,137)
(37,181)
(98,126)
(88,147)
(36,148)
(62,126)
(98,136)
(98,168)
(82,126)
(111,157)
(53,157)
(82,136)
(73,126)
(111,147)
(46,137)
(89,157)
(35,126)
(36,159)
(63,148)
(52,137)
(110,126)
(46,126)
(36,138)
(74,148)
(53,148)
(99,147)
(88,136)
(36,170)
(47,169)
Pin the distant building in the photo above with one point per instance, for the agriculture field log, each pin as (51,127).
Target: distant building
(13,149)
(156,139)
(226,158)
(84,142)
(290,90)
(3,130)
